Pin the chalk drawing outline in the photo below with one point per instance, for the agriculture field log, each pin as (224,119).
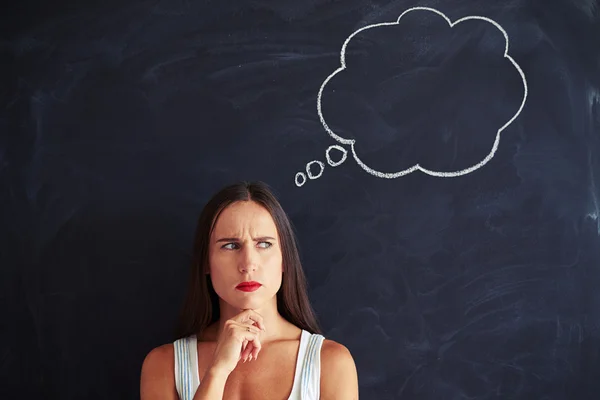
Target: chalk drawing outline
(328,156)
(321,165)
(391,175)
(300,175)
(310,174)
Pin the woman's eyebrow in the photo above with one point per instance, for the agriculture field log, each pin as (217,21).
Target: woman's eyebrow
(234,239)
(262,238)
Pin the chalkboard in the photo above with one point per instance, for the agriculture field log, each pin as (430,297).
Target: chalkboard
(439,162)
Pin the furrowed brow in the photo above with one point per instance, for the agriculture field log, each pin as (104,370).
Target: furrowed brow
(234,239)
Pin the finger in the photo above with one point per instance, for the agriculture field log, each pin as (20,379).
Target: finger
(248,327)
(253,317)
(254,346)
(247,352)
(245,326)
(252,343)
(253,351)
(248,334)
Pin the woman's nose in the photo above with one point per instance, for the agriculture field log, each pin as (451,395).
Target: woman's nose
(248,260)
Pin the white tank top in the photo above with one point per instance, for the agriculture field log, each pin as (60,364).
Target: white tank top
(307,377)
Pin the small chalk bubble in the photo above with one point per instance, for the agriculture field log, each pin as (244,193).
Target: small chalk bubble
(328,155)
(310,174)
(300,175)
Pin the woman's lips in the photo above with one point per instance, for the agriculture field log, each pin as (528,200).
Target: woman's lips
(248,288)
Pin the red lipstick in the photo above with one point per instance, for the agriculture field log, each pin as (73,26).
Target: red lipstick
(249,286)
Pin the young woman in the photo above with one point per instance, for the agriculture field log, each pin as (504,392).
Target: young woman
(247,329)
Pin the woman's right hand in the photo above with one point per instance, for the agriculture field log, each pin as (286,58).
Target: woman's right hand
(239,339)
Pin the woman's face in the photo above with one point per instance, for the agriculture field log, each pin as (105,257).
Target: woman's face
(244,246)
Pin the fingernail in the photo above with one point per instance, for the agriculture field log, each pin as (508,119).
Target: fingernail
(250,358)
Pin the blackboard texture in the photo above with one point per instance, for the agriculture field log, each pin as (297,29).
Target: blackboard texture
(441,166)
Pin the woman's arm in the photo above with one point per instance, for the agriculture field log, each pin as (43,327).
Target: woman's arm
(339,379)
(212,385)
(158,375)
(158,378)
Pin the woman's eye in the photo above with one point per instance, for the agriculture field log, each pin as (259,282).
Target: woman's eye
(233,246)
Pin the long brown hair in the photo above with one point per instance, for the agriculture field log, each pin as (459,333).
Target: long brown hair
(201,304)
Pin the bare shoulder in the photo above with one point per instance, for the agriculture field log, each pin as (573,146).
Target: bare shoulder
(157,379)
(339,378)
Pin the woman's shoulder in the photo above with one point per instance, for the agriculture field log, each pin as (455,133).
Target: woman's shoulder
(160,359)
(338,371)
(165,353)
(333,352)
(157,372)
(160,353)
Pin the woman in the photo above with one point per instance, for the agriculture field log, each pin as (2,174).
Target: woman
(247,329)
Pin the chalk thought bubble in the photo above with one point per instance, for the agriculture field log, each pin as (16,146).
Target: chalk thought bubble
(422,81)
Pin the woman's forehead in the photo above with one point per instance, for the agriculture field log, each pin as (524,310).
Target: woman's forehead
(245,216)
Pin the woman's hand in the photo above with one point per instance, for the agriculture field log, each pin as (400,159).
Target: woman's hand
(239,340)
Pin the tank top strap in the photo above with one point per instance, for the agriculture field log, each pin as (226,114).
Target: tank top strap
(186,367)
(311,371)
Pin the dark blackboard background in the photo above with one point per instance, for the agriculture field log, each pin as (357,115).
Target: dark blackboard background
(119,120)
